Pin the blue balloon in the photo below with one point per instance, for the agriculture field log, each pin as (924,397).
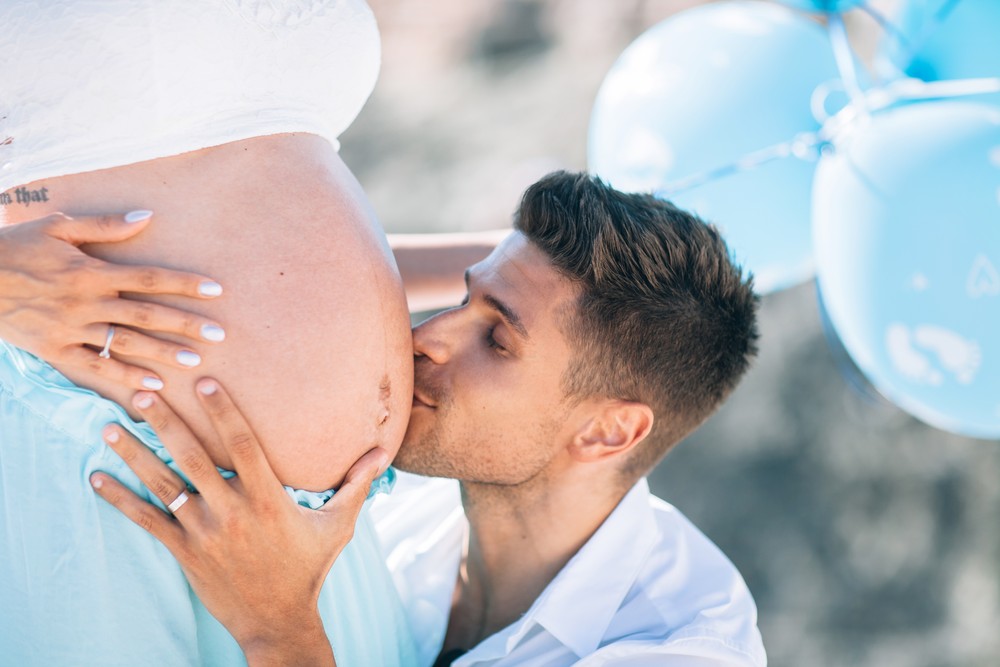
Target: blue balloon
(699,92)
(906,212)
(936,40)
(849,371)
(826,6)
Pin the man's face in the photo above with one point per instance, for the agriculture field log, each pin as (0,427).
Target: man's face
(488,400)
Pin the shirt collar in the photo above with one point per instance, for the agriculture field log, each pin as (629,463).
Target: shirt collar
(578,605)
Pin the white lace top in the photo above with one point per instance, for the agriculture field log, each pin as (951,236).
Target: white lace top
(92,84)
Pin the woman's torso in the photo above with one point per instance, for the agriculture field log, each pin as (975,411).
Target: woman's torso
(317,328)
(313,308)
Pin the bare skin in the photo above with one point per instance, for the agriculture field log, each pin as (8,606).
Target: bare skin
(312,300)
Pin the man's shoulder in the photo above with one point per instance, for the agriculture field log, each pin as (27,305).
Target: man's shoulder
(688,592)
(676,536)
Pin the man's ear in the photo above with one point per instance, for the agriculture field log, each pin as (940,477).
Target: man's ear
(615,427)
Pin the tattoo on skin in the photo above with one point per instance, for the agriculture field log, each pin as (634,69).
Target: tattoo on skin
(24,196)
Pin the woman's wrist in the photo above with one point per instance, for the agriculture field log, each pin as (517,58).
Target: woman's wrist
(304,644)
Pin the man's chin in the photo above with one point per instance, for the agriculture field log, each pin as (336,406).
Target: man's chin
(418,467)
(409,457)
(422,458)
(406,467)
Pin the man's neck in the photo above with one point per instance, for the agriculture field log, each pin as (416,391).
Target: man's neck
(519,539)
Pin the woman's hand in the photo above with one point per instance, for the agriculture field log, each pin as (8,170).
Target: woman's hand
(58,302)
(255,558)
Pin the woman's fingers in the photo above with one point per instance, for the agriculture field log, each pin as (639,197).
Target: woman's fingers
(344,507)
(154,280)
(154,473)
(144,515)
(56,299)
(135,344)
(85,229)
(134,377)
(239,440)
(188,452)
(154,317)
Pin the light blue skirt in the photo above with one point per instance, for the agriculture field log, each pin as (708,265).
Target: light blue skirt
(81,585)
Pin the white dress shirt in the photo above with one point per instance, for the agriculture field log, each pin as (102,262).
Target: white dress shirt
(647,589)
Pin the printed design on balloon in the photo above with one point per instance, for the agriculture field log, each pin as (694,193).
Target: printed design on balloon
(984,279)
(912,353)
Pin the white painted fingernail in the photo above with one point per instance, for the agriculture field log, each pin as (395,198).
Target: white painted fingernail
(143,401)
(207,388)
(155,384)
(96,482)
(137,216)
(213,333)
(188,358)
(209,288)
(111,435)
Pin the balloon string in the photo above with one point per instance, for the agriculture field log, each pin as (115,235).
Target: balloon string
(845,62)
(878,99)
(915,89)
(805,144)
(800,147)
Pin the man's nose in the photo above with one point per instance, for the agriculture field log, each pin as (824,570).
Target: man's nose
(433,339)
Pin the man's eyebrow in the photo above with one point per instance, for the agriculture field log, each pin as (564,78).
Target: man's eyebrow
(509,316)
(512,319)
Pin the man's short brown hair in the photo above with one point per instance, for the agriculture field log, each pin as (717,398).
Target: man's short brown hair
(664,317)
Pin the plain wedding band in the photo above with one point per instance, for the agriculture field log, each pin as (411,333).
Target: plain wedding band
(178,502)
(106,352)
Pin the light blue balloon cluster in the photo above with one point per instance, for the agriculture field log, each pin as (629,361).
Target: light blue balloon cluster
(724,109)
(704,108)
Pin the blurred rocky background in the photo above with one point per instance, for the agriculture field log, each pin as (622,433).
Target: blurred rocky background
(867,538)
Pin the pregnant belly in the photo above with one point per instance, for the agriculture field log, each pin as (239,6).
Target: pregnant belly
(318,351)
